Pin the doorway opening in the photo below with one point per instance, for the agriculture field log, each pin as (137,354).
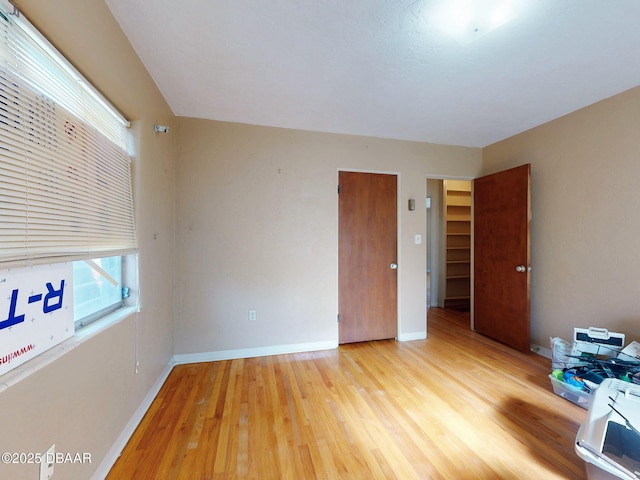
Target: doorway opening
(448,211)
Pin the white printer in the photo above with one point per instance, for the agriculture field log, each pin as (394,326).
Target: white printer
(609,440)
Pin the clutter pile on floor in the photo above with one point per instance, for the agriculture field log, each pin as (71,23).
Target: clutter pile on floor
(594,355)
(599,373)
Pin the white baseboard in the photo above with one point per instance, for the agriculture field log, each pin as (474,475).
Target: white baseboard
(253,352)
(116,449)
(407,337)
(545,352)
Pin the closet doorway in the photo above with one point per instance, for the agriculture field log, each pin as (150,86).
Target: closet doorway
(448,210)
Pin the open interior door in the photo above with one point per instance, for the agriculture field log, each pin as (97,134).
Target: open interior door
(501,218)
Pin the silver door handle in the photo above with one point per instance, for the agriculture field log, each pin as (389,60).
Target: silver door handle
(522,268)
(394,266)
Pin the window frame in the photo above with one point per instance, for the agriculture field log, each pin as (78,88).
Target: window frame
(34,122)
(99,276)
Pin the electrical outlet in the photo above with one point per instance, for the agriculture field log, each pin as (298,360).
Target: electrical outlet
(253,315)
(47,462)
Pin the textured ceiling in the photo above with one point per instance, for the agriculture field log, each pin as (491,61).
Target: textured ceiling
(381,67)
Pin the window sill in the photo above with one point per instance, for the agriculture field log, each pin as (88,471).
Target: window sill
(23,371)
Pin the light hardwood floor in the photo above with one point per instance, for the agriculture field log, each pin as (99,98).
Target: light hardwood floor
(454,406)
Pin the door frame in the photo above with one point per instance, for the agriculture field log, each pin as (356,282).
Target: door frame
(398,240)
(441,243)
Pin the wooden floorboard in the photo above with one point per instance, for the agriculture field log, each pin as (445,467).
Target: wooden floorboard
(454,406)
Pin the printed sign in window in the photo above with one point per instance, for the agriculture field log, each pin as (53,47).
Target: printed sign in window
(36,311)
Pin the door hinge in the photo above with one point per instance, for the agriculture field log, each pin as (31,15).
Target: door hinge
(338,318)
(338,189)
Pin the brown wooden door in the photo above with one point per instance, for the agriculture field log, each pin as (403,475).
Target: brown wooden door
(367,248)
(502,205)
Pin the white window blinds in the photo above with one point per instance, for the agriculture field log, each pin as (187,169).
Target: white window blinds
(65,175)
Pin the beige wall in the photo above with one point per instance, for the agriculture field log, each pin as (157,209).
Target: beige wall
(586,221)
(83,400)
(257,228)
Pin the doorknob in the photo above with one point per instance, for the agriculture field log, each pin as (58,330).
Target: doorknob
(521,268)
(394,266)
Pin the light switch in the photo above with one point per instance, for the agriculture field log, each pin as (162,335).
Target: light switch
(418,239)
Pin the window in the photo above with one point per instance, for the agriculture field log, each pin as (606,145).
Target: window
(65,175)
(97,289)
(66,203)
